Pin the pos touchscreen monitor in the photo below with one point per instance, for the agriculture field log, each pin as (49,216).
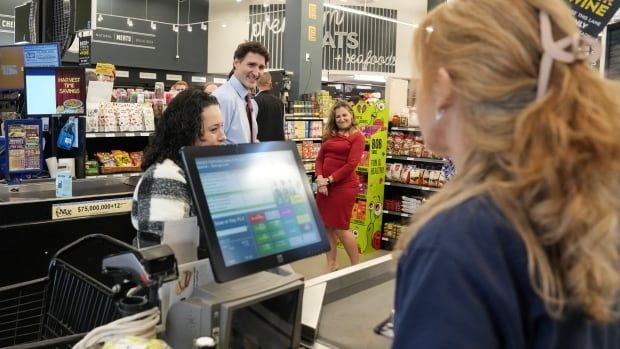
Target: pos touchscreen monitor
(255,206)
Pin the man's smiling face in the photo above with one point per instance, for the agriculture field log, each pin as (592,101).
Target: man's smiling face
(249,69)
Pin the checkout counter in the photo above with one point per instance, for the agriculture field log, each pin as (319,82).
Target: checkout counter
(35,224)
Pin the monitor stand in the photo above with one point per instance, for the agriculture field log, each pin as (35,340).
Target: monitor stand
(196,305)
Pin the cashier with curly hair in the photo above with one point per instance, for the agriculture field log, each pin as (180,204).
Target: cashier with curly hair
(162,194)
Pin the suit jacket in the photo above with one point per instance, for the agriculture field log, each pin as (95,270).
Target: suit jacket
(270,118)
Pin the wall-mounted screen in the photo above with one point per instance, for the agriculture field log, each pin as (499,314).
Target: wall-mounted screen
(11,68)
(42,55)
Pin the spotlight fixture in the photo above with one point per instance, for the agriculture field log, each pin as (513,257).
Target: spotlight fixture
(223,25)
(175,28)
(266,4)
(153,26)
(203,26)
(189,28)
(129,22)
(239,0)
(99,18)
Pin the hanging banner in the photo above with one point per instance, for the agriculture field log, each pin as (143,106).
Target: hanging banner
(593,15)
(350,41)
(84,50)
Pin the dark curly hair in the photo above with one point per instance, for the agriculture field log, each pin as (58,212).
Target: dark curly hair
(179,126)
(251,46)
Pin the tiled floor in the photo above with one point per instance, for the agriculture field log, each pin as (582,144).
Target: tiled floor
(316,266)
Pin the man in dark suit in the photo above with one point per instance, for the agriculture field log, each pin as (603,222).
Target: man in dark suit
(270,118)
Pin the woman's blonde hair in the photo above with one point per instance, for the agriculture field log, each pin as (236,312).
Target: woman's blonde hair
(331,129)
(552,165)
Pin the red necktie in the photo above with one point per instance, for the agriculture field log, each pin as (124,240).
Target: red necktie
(248,111)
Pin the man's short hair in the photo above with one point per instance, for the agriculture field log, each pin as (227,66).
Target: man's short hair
(180,83)
(251,46)
(265,79)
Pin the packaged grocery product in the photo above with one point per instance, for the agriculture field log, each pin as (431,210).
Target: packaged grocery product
(414,177)
(434,178)
(92,119)
(405,173)
(148,117)
(426,178)
(124,119)
(122,158)
(91,168)
(136,158)
(105,159)
(388,171)
(136,121)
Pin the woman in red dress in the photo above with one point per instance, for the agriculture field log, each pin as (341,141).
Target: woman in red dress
(337,182)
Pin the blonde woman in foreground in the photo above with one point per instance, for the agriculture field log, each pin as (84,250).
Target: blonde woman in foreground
(521,248)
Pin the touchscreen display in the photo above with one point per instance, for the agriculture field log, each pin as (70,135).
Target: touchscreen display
(258,204)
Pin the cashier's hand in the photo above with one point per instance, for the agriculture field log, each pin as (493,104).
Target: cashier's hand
(323,190)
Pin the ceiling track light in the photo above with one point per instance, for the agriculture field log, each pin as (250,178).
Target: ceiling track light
(175,28)
(203,26)
(99,18)
(189,28)
(129,22)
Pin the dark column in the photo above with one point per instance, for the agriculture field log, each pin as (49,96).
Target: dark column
(303,45)
(434,3)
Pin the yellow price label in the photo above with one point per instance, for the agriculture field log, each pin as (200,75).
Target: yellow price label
(91,208)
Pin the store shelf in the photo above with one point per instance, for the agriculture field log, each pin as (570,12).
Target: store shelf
(406,129)
(308,160)
(408,158)
(411,186)
(310,171)
(126,174)
(315,115)
(394,213)
(117,134)
(304,139)
(361,196)
(311,118)
(362,168)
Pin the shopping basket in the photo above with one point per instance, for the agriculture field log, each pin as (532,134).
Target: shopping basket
(75,297)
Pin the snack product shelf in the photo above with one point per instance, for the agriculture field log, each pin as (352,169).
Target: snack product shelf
(407,129)
(291,117)
(118,134)
(408,158)
(411,186)
(304,139)
(394,213)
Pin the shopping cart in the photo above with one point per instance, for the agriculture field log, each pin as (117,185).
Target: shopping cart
(75,297)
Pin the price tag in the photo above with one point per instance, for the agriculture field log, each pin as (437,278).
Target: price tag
(90,208)
(174,77)
(145,134)
(130,134)
(122,74)
(110,135)
(148,76)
